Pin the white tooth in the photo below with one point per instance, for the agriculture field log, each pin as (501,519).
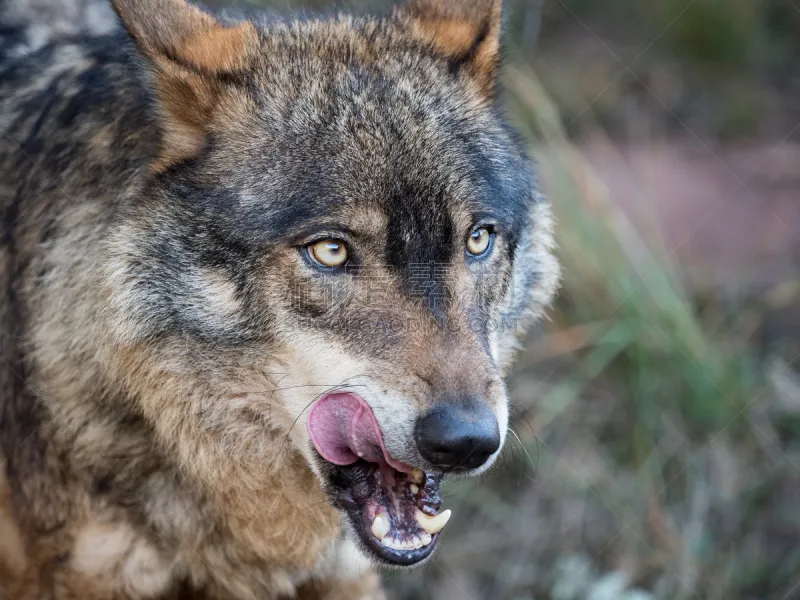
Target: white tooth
(393,544)
(426,538)
(433,524)
(418,476)
(414,488)
(416,543)
(381,526)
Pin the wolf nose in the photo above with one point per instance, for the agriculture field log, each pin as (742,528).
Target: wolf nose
(458,436)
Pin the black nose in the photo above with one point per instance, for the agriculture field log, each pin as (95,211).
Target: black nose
(458,436)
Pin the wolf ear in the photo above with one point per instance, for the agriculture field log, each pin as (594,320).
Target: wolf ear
(467,31)
(188,53)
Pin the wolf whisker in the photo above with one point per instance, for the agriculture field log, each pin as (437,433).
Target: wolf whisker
(307,406)
(512,430)
(294,387)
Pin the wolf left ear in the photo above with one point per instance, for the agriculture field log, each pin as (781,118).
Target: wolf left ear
(189,53)
(467,31)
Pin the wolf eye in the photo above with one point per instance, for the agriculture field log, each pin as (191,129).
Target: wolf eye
(479,242)
(328,253)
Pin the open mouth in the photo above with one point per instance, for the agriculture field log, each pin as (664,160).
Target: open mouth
(393,507)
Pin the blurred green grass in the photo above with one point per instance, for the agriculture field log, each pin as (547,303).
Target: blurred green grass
(644,322)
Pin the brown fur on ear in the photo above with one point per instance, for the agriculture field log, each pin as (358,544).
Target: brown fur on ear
(188,51)
(465,30)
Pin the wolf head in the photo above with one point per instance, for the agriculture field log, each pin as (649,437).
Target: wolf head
(338,243)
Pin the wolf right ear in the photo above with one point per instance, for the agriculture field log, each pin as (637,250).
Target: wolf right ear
(188,53)
(467,31)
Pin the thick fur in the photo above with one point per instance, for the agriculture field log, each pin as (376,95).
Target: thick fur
(162,335)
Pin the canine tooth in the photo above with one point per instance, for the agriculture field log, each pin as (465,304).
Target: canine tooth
(381,526)
(426,538)
(414,488)
(418,476)
(433,524)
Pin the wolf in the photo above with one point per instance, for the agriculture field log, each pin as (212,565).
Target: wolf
(263,278)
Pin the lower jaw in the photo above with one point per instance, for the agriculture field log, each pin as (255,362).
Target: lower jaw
(386,556)
(363,490)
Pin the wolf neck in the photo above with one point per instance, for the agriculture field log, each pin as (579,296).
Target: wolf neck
(260,489)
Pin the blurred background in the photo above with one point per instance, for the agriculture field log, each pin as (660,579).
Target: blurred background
(655,451)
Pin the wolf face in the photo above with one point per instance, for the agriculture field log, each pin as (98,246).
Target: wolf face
(339,241)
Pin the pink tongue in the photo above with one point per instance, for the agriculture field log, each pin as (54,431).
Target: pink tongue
(343,429)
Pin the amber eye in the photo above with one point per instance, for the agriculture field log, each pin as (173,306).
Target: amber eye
(479,242)
(328,253)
